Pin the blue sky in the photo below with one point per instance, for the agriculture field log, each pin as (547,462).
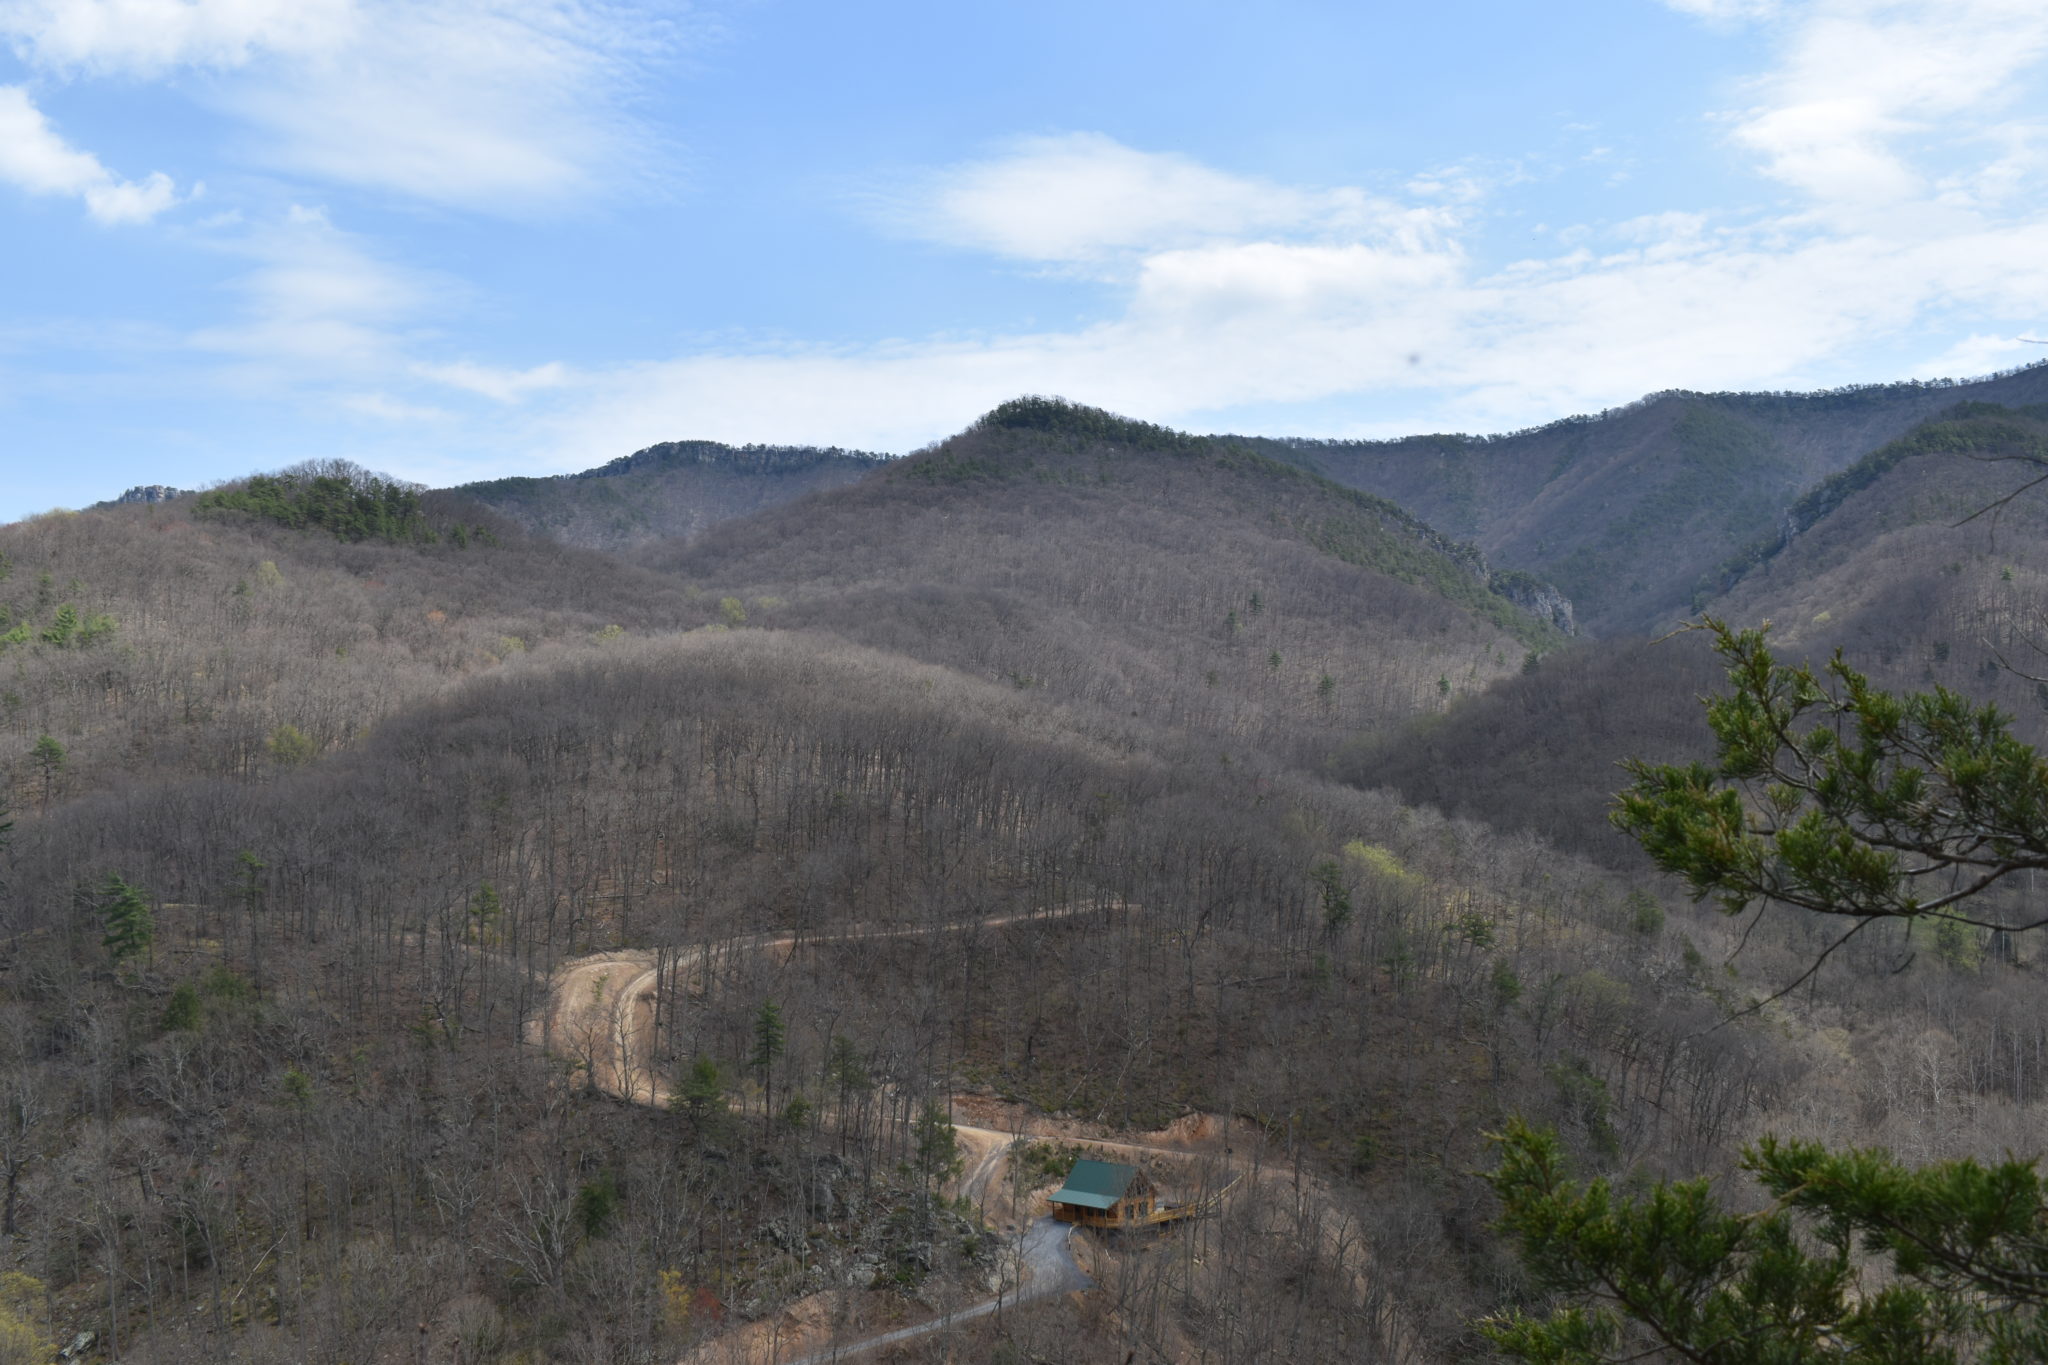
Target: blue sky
(453,239)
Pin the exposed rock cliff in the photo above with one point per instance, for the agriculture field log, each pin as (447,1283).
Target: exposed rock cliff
(150,492)
(1540,599)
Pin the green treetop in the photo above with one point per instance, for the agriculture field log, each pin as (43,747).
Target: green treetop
(1843,799)
(937,1149)
(700,1095)
(1837,797)
(769,1036)
(334,496)
(49,758)
(1859,1259)
(130,927)
(63,627)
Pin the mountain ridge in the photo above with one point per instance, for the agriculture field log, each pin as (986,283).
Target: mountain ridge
(1010,776)
(1631,511)
(673,489)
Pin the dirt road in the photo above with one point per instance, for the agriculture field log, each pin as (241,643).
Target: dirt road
(601,1008)
(601,1013)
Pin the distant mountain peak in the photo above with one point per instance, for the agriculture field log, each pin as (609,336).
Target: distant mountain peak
(671,490)
(751,458)
(1061,417)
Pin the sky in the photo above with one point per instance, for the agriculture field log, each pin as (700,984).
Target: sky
(459,239)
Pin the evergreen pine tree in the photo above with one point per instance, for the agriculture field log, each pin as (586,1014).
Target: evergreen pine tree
(937,1152)
(769,1037)
(130,928)
(700,1096)
(1859,1258)
(1841,799)
(49,758)
(63,627)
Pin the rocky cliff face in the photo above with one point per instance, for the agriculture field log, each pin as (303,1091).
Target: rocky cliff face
(151,493)
(1541,600)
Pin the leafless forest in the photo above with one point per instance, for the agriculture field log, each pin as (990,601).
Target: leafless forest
(1303,830)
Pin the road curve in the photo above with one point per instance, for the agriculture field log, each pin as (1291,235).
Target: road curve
(601,1008)
(601,1011)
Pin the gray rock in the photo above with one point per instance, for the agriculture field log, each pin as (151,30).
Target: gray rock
(1536,597)
(152,493)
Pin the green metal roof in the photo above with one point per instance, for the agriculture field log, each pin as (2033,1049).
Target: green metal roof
(1096,1184)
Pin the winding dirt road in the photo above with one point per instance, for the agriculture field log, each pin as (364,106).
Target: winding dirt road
(601,1013)
(601,1008)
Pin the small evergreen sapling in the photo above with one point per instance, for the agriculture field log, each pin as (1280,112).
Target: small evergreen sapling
(769,1036)
(49,758)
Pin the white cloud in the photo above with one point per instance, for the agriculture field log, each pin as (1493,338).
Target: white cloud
(35,158)
(1660,301)
(317,306)
(384,408)
(125,201)
(1276,279)
(493,104)
(1896,118)
(470,104)
(1236,295)
(1082,197)
(321,314)
(149,37)
(1919,160)
(502,385)
(1982,354)
(1726,9)
(1862,82)
(1834,149)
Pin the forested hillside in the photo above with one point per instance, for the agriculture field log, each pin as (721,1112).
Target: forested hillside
(1914,559)
(1189,582)
(1632,515)
(1917,563)
(203,637)
(1632,512)
(670,491)
(1074,780)
(1910,560)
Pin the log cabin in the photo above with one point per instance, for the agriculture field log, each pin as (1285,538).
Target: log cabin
(1105,1194)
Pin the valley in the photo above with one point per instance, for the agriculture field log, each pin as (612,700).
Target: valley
(697,910)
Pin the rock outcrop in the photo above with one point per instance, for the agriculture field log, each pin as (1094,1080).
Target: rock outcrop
(1540,599)
(151,493)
